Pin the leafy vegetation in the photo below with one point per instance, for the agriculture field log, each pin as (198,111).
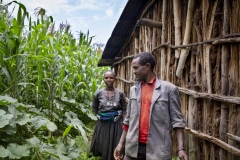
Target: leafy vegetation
(47,81)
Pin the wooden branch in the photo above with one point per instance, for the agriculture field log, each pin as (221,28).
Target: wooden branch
(205,7)
(123,59)
(195,94)
(233,137)
(149,23)
(118,58)
(207,50)
(214,140)
(229,40)
(214,41)
(177,25)
(186,40)
(217,97)
(124,80)
(210,27)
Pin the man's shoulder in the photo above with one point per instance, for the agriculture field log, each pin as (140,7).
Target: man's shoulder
(167,85)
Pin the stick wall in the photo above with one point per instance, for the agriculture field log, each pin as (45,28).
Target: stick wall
(197,48)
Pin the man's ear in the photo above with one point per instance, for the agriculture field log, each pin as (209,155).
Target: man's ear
(148,65)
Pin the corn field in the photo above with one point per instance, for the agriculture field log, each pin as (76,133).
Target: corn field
(47,81)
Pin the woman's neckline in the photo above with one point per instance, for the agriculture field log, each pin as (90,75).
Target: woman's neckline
(108,92)
(112,89)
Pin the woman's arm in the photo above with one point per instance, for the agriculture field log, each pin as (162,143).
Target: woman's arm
(95,103)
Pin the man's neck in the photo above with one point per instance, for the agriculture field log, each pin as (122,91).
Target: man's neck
(149,77)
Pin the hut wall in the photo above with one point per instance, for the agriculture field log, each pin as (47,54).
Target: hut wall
(206,34)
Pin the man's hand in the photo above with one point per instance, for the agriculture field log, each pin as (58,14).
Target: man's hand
(118,152)
(182,155)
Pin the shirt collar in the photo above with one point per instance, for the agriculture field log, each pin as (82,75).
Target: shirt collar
(152,81)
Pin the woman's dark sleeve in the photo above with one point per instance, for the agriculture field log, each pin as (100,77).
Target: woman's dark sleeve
(95,103)
(123,102)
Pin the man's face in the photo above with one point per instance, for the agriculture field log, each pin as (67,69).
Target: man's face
(139,70)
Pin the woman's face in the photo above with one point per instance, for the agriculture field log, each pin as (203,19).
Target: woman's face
(109,79)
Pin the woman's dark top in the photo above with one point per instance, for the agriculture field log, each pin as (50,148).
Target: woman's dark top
(102,103)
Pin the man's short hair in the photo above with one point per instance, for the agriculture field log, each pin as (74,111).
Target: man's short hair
(146,57)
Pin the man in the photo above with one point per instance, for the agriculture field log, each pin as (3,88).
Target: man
(153,111)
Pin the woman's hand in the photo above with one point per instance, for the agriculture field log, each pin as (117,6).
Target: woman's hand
(118,152)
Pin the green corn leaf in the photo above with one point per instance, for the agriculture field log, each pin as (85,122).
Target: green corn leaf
(67,130)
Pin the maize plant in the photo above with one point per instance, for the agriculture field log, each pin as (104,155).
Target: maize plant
(47,81)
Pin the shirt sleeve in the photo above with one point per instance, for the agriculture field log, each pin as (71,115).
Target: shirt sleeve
(128,110)
(123,102)
(95,103)
(176,115)
(125,127)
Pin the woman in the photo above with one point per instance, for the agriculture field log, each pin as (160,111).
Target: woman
(110,106)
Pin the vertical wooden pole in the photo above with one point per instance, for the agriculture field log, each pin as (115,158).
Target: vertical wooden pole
(217,105)
(168,78)
(186,40)
(191,110)
(224,91)
(136,46)
(199,52)
(145,39)
(198,81)
(177,33)
(140,40)
(163,40)
(177,25)
(234,75)
(236,50)
(154,29)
